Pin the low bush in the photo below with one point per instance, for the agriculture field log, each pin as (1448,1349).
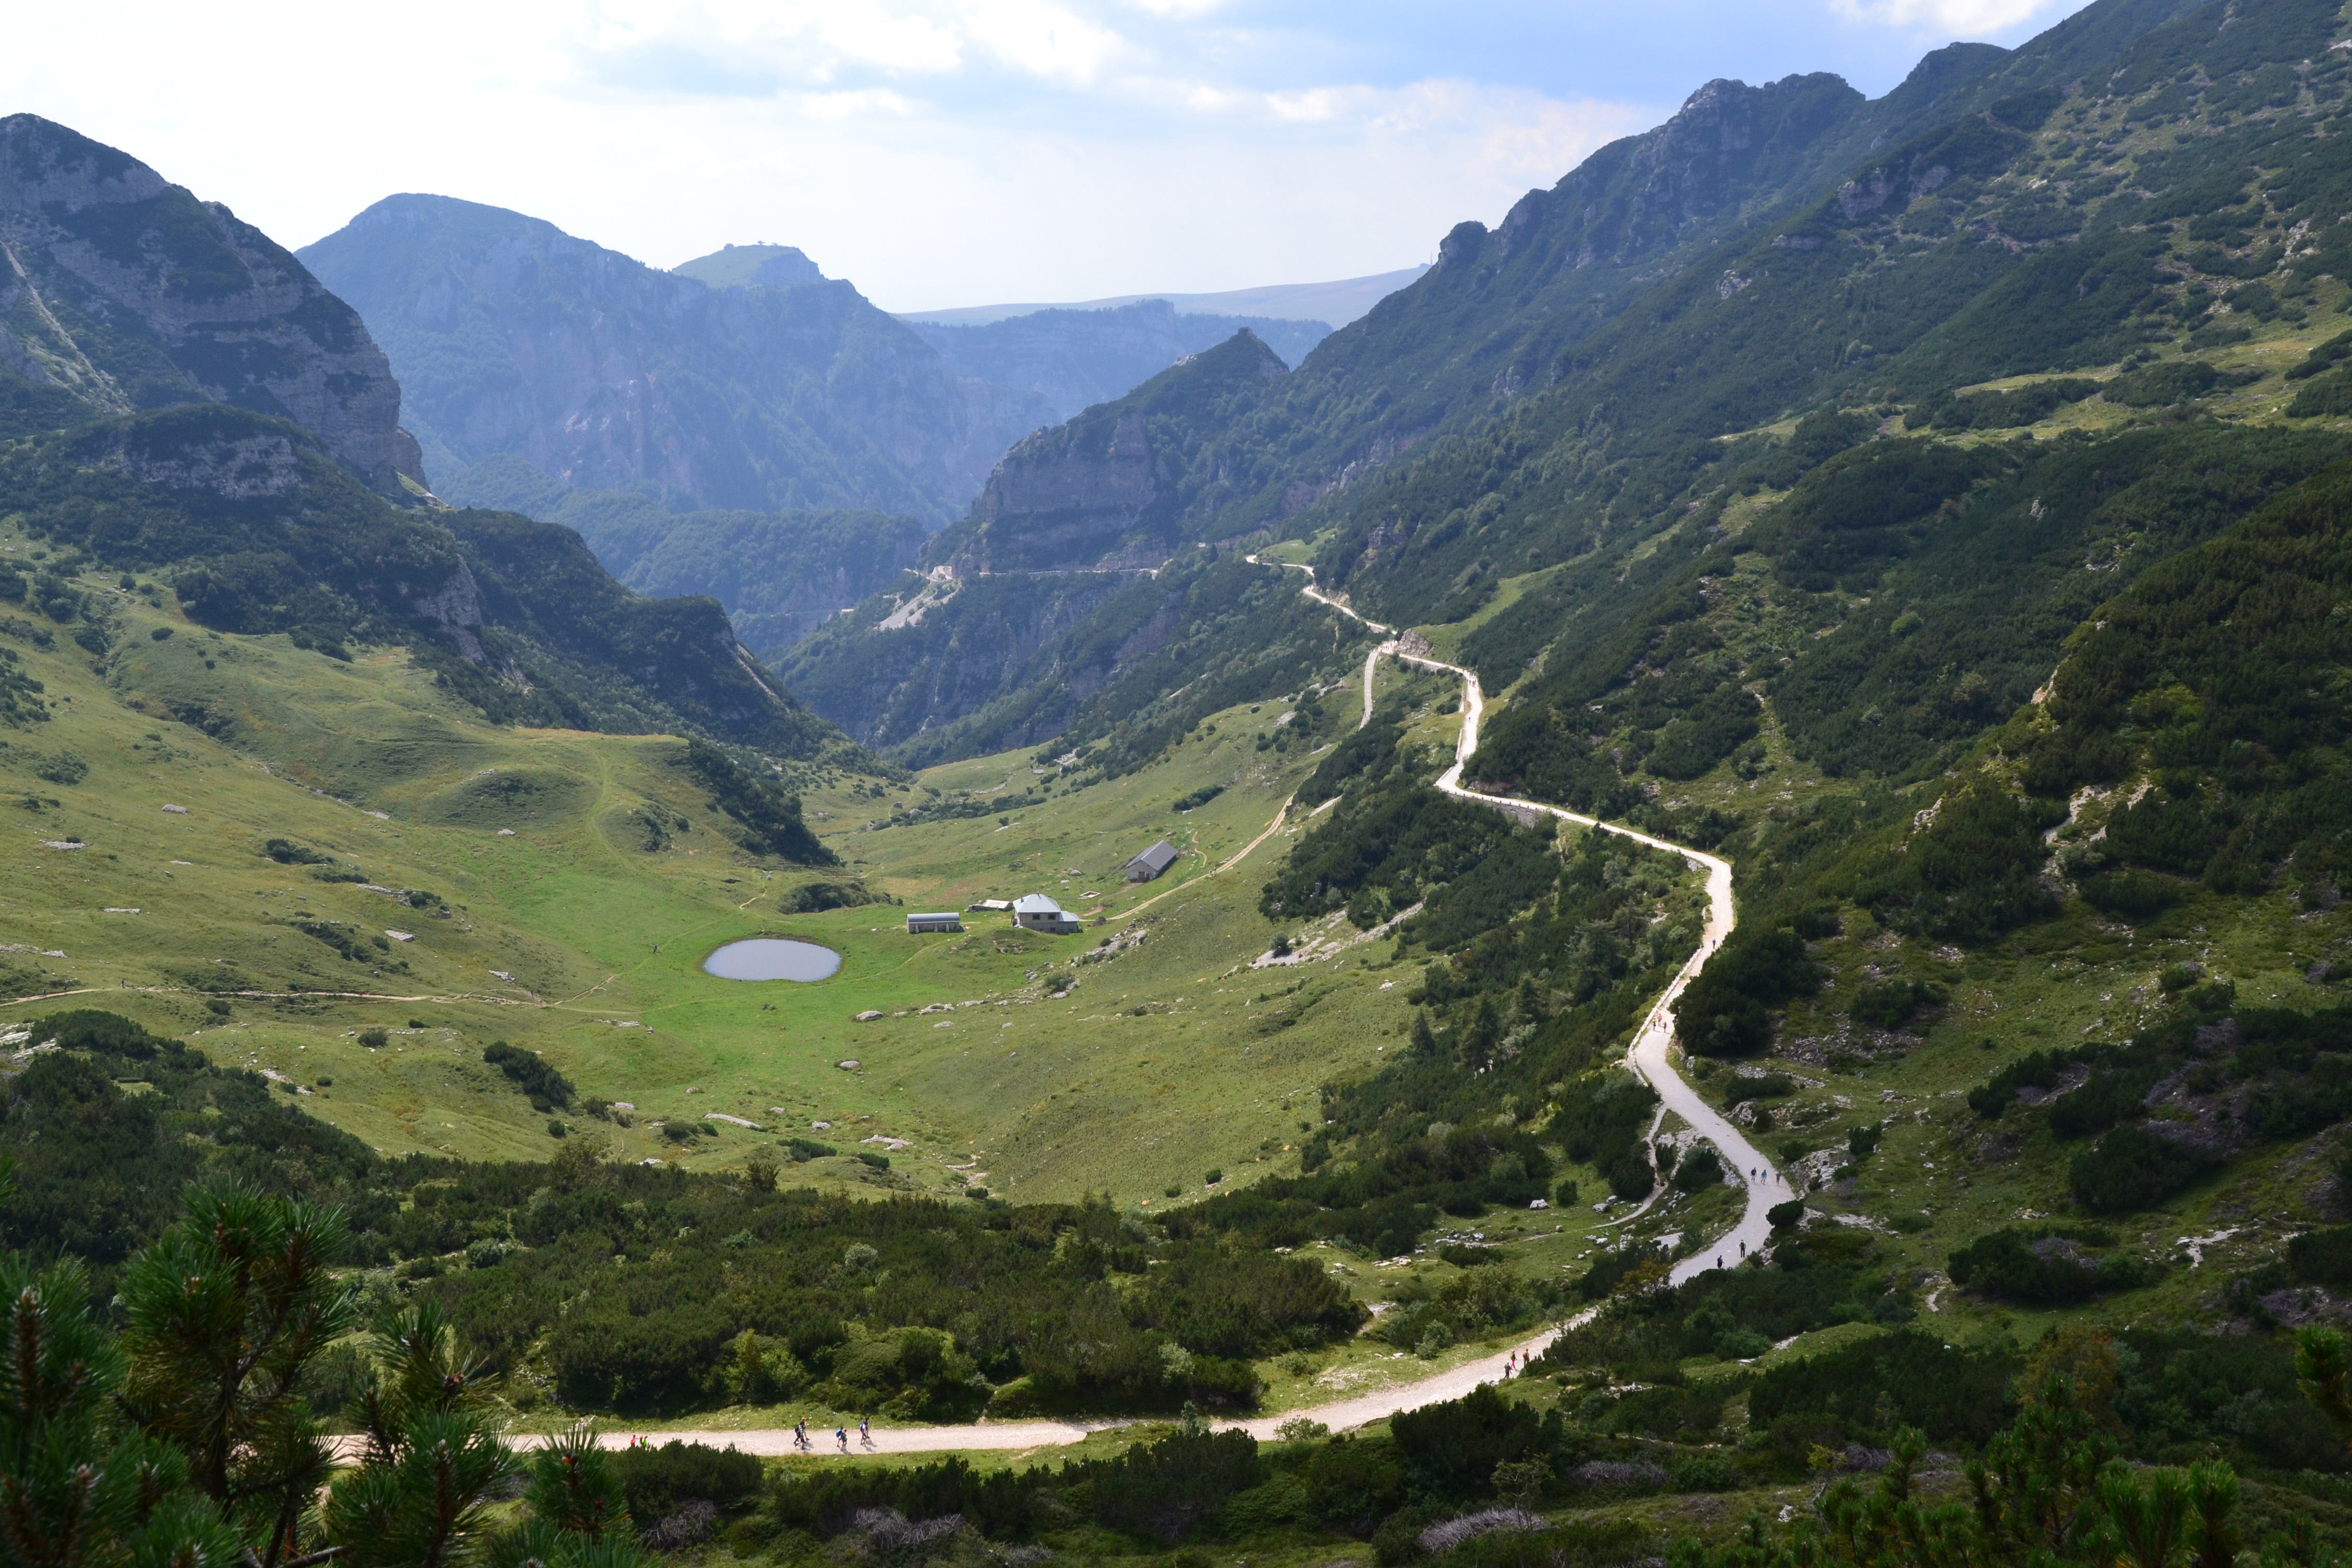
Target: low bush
(658,1481)
(2133,1168)
(1700,1169)
(814,898)
(1763,1086)
(547,1087)
(2322,1257)
(2046,1266)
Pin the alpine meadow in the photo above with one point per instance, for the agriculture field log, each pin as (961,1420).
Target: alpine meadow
(1679,899)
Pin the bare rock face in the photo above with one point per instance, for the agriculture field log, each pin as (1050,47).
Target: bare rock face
(120,291)
(1106,491)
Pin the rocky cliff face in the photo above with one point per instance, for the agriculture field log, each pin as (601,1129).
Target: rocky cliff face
(120,291)
(1104,492)
(512,337)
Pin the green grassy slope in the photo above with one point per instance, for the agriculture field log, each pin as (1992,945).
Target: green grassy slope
(539,848)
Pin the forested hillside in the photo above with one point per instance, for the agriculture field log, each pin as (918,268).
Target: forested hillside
(1778,555)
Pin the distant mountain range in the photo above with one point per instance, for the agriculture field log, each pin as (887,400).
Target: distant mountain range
(1074,359)
(511,337)
(1335,303)
(1073,356)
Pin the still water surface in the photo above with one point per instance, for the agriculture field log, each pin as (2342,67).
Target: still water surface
(773,958)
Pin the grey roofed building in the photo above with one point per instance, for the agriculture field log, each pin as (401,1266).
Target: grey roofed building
(943,921)
(1036,912)
(1149,865)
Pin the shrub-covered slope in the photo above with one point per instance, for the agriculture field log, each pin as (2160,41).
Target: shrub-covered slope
(261,530)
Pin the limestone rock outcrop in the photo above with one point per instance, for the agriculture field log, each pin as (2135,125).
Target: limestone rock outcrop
(1108,492)
(120,291)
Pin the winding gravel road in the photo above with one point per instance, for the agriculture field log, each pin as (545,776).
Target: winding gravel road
(1653,1049)
(1651,1056)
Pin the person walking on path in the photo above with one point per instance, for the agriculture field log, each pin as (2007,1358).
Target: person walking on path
(841,1436)
(866,1431)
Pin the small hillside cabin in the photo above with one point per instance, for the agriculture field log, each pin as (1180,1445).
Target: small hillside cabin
(945,922)
(1148,865)
(1036,912)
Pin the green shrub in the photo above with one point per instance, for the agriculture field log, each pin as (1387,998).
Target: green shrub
(1891,1006)
(2322,1257)
(1469,1257)
(1704,1473)
(2046,1266)
(658,1481)
(2009,409)
(1164,1490)
(814,898)
(2169,382)
(1764,1086)
(2134,895)
(1450,1451)
(1354,1483)
(1632,1177)
(547,1087)
(1905,1378)
(2132,1168)
(1699,1169)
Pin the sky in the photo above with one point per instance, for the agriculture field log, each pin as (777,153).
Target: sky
(937,152)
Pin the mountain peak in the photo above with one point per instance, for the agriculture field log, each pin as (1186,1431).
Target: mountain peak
(754,266)
(198,305)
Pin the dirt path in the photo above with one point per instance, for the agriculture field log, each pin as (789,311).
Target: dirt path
(997,1436)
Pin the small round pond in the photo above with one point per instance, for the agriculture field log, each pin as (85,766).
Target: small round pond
(773,958)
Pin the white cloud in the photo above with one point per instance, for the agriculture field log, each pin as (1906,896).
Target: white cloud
(1179,10)
(816,40)
(1956,18)
(1044,40)
(864,131)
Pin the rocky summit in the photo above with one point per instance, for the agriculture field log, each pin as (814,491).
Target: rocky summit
(124,292)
